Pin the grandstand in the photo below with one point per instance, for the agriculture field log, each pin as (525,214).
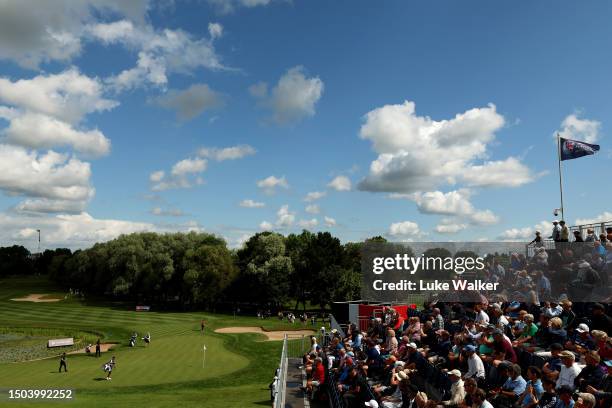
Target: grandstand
(424,352)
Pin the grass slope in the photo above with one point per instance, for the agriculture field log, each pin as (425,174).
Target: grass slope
(238,367)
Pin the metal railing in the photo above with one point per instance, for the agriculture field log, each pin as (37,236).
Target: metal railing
(279,386)
(598,228)
(549,244)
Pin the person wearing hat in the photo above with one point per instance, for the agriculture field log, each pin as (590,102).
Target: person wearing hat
(582,340)
(564,234)
(318,376)
(457,390)
(592,374)
(569,370)
(578,236)
(371,403)
(476,368)
(415,357)
(556,231)
(537,241)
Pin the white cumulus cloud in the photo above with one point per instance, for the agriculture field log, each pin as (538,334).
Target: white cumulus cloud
(191,102)
(329,222)
(404,229)
(293,98)
(573,127)
(269,184)
(312,209)
(340,183)
(227,153)
(314,196)
(308,223)
(252,204)
(416,153)
(215,30)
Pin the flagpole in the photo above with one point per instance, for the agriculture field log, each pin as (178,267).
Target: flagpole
(560,173)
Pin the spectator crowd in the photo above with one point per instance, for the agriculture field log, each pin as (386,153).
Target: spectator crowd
(544,342)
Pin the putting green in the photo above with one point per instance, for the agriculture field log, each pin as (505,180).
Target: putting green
(171,359)
(168,372)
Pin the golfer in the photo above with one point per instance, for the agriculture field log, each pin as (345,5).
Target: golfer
(98,352)
(147,338)
(63,363)
(108,367)
(202,326)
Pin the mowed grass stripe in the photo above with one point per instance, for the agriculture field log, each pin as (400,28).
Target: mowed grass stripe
(238,369)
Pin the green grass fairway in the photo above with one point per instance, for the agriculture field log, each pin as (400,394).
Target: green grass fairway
(168,372)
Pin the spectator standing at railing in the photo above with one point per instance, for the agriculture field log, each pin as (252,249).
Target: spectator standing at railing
(578,236)
(537,241)
(590,236)
(564,234)
(556,231)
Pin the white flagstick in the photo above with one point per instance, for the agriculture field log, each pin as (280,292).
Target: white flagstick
(203,355)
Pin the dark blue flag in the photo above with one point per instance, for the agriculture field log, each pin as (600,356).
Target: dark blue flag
(573,149)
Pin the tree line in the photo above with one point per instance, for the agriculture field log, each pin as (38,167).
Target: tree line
(198,270)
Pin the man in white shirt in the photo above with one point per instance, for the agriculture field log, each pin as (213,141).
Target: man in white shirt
(457,389)
(476,368)
(482,318)
(569,369)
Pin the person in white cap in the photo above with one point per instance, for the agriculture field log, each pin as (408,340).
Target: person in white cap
(569,370)
(371,403)
(457,390)
(556,231)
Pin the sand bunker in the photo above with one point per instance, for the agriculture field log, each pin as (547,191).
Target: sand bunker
(37,298)
(271,335)
(104,347)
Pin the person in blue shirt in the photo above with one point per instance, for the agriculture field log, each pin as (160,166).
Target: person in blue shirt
(565,397)
(533,389)
(514,387)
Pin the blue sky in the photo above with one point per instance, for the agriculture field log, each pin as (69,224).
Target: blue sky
(435,119)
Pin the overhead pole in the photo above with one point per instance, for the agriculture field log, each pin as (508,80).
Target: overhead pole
(560,174)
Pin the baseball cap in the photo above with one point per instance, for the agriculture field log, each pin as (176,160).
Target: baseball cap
(469,347)
(582,328)
(372,403)
(401,375)
(412,345)
(455,372)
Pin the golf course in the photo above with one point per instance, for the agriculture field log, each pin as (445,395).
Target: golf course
(181,365)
